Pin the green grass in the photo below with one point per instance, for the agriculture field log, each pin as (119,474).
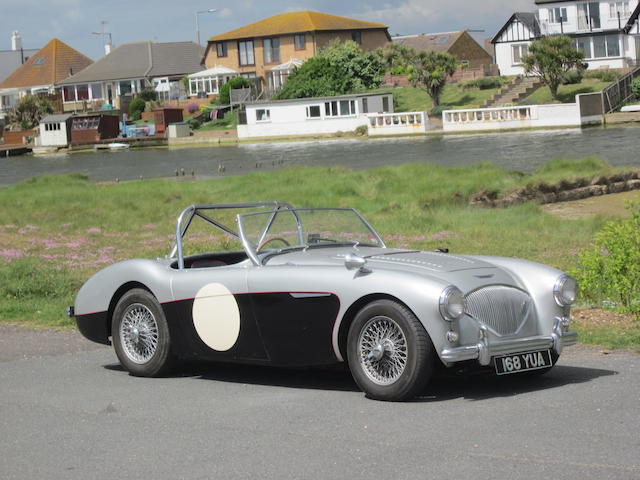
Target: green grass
(229,121)
(566,93)
(610,335)
(57,231)
(412,99)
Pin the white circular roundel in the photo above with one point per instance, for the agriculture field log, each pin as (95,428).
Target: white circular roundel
(216,317)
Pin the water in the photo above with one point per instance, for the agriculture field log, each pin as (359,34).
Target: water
(522,151)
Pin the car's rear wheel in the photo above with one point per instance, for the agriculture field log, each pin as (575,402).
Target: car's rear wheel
(141,334)
(390,354)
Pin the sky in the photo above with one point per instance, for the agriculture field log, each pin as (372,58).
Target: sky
(73,21)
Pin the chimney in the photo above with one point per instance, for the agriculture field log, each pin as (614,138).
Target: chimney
(16,41)
(107,47)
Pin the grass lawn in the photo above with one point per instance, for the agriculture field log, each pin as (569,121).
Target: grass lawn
(46,252)
(566,93)
(230,120)
(412,99)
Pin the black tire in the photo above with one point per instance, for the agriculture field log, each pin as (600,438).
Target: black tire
(141,335)
(389,377)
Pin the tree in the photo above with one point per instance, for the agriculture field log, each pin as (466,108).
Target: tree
(430,71)
(550,59)
(397,57)
(28,113)
(338,69)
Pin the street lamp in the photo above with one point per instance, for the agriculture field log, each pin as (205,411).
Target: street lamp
(211,10)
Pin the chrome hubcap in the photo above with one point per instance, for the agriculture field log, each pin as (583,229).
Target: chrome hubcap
(382,350)
(139,333)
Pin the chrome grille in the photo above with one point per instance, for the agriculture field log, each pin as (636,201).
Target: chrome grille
(502,309)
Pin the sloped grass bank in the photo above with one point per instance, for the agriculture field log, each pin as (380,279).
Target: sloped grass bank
(56,231)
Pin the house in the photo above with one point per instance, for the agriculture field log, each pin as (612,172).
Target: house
(271,48)
(55,130)
(311,116)
(606,31)
(42,71)
(129,69)
(10,60)
(460,44)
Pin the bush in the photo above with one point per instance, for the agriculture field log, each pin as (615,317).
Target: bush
(136,107)
(609,271)
(195,123)
(225,90)
(572,77)
(488,83)
(148,95)
(361,130)
(635,87)
(439,109)
(192,108)
(602,75)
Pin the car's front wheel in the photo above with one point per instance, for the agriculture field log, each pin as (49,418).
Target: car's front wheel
(390,354)
(141,334)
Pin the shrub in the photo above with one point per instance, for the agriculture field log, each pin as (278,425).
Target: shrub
(609,271)
(148,95)
(136,107)
(225,90)
(488,83)
(195,123)
(192,108)
(635,87)
(602,75)
(572,77)
(361,130)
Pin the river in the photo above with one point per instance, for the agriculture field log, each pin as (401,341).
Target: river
(522,151)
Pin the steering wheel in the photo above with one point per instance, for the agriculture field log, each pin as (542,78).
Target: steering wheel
(273,239)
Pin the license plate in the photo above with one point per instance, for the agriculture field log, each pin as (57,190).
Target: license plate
(522,362)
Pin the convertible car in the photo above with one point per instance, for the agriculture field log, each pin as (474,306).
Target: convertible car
(318,286)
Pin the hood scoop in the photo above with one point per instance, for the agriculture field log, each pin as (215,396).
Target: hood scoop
(436,261)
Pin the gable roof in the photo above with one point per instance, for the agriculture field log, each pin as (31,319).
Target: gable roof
(528,19)
(297,22)
(141,60)
(632,20)
(51,64)
(431,42)
(10,60)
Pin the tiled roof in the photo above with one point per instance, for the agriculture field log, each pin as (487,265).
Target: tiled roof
(51,64)
(431,42)
(141,60)
(297,22)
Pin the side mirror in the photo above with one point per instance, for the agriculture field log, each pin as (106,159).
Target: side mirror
(355,262)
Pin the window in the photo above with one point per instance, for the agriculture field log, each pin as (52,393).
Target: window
(300,41)
(271,48)
(385,104)
(313,111)
(96,91)
(619,8)
(85,123)
(38,61)
(584,45)
(357,37)
(557,15)
(588,16)
(342,108)
(125,87)
(365,105)
(245,50)
(263,115)
(221,49)
(69,93)
(519,51)
(613,46)
(82,92)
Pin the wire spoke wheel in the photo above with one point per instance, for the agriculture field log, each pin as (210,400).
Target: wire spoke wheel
(139,333)
(382,350)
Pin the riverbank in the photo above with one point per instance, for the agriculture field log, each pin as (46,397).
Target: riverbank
(46,253)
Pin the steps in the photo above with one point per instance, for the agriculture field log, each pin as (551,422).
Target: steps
(513,92)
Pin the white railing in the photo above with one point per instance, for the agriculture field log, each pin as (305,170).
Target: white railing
(397,123)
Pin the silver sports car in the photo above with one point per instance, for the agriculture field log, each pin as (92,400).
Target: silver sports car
(267,283)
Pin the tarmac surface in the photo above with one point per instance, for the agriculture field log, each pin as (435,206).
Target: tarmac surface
(68,411)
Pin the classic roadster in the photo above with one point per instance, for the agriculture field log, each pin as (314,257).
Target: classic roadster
(318,286)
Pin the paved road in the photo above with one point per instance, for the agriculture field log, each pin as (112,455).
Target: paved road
(72,413)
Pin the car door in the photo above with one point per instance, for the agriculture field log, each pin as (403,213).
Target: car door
(216,314)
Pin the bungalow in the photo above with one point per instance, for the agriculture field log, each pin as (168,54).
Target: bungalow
(311,116)
(41,72)
(270,48)
(129,69)
(607,32)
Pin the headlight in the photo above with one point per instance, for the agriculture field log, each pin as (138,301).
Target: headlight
(564,291)
(452,303)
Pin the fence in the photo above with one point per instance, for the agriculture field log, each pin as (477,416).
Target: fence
(620,92)
(397,123)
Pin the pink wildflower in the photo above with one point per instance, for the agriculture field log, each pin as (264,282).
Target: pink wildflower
(94,230)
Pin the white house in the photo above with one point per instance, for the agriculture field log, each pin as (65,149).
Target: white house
(606,31)
(310,116)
